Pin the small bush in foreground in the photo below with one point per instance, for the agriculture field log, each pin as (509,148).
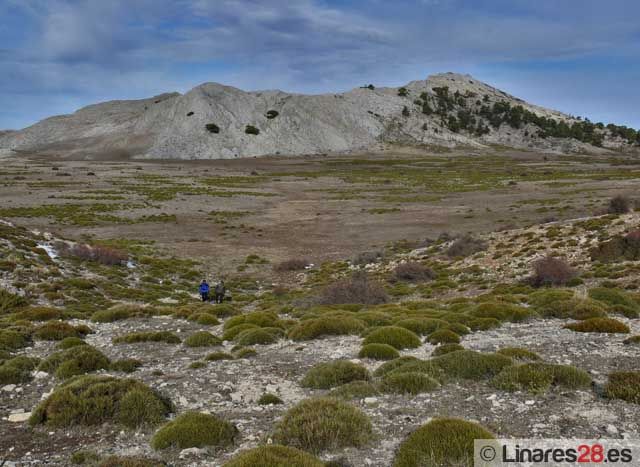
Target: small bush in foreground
(446,348)
(422,326)
(269,399)
(607,325)
(355,390)
(355,289)
(408,383)
(441,442)
(467,364)
(256,336)
(251,130)
(9,302)
(11,339)
(17,370)
(93,400)
(75,361)
(69,342)
(392,365)
(483,324)
(624,385)
(550,271)
(40,313)
(202,339)
(613,297)
(274,456)
(518,353)
(323,424)
(212,128)
(246,352)
(378,352)
(397,337)
(413,271)
(443,336)
(328,375)
(111,315)
(58,330)
(194,430)
(204,318)
(147,336)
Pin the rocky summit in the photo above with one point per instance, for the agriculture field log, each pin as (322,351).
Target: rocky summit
(213,121)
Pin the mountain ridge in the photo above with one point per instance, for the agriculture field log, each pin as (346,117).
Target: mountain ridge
(217,121)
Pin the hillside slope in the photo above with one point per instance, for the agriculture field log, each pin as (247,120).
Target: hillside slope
(213,121)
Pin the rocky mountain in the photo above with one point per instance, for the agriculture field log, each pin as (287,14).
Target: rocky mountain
(213,121)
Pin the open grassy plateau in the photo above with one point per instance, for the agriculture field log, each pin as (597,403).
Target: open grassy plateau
(385,308)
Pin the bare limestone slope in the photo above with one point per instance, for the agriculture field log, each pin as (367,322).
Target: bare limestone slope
(446,109)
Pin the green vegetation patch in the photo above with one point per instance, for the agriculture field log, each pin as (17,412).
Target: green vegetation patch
(194,430)
(202,339)
(74,361)
(446,348)
(443,336)
(624,385)
(443,441)
(147,336)
(397,337)
(606,325)
(315,328)
(399,382)
(321,424)
(274,456)
(518,353)
(93,400)
(378,352)
(467,364)
(329,375)
(58,330)
(355,390)
(17,370)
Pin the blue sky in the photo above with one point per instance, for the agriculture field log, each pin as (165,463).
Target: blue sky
(578,56)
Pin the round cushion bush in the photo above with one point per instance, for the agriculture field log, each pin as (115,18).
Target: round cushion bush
(378,352)
(274,456)
(329,375)
(443,336)
(194,430)
(323,424)
(395,336)
(408,383)
(441,442)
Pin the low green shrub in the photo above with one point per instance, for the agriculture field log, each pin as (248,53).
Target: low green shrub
(256,336)
(467,364)
(116,313)
(204,319)
(231,333)
(606,325)
(261,319)
(126,365)
(40,313)
(215,356)
(147,336)
(624,385)
(93,400)
(394,364)
(245,352)
(422,326)
(443,336)
(397,337)
(17,370)
(329,375)
(269,399)
(518,353)
(613,297)
(13,339)
(355,390)
(194,430)
(202,339)
(399,382)
(322,424)
(458,328)
(314,328)
(58,330)
(69,342)
(274,456)
(502,311)
(483,324)
(10,302)
(446,348)
(129,461)
(378,352)
(74,361)
(441,442)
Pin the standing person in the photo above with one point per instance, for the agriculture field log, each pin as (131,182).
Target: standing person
(220,291)
(204,290)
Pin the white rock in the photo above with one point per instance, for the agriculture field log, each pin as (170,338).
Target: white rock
(192,452)
(612,430)
(8,387)
(530,402)
(19,417)
(370,400)
(236,397)
(40,374)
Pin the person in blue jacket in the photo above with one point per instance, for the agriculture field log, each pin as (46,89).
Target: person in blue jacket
(204,290)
